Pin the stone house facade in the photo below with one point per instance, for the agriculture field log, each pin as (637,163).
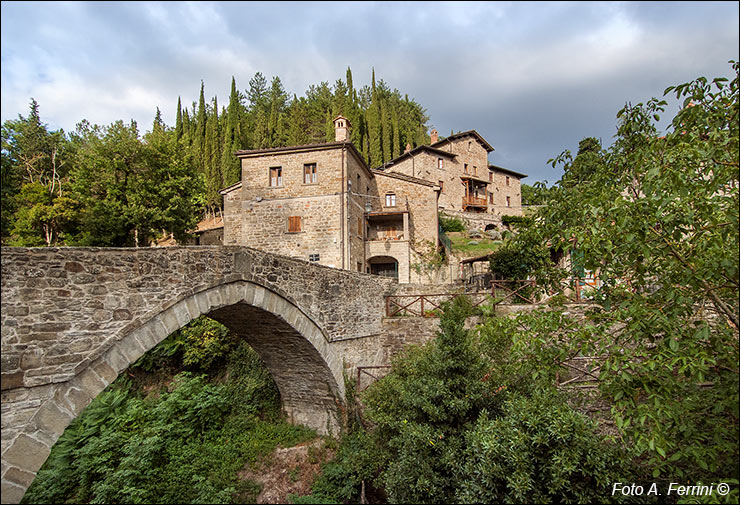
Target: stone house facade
(322,203)
(459,165)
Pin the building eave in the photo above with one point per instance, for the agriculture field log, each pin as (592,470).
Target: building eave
(507,171)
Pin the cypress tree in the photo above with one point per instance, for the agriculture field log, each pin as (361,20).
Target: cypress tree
(350,88)
(396,135)
(230,143)
(373,127)
(200,131)
(385,127)
(178,121)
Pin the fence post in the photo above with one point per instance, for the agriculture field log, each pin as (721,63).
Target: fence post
(387,307)
(578,290)
(422,306)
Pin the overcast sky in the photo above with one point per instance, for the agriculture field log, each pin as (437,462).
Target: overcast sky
(532,78)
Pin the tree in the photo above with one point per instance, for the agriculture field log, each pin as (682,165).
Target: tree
(657,217)
(33,158)
(454,418)
(129,190)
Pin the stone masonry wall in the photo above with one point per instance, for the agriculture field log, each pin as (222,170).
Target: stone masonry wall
(501,190)
(265,210)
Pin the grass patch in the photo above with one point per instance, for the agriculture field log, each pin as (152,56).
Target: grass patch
(463,245)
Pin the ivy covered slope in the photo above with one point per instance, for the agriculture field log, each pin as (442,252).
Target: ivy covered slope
(157,435)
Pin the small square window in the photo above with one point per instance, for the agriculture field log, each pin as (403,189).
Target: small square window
(309,173)
(390,200)
(507,180)
(276,176)
(313,258)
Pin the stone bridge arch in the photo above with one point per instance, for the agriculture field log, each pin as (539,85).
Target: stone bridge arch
(73,318)
(293,347)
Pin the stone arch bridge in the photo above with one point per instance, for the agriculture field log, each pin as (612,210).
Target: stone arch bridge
(74,318)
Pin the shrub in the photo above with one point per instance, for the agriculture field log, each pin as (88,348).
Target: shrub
(538,450)
(448,223)
(522,221)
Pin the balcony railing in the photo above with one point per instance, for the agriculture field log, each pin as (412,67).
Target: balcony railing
(474,201)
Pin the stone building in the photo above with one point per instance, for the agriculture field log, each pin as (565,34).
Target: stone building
(459,165)
(324,204)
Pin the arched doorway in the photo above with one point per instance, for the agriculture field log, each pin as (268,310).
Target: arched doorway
(385,266)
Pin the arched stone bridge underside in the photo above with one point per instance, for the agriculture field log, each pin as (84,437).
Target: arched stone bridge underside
(74,318)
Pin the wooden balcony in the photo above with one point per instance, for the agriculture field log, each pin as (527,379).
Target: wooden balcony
(473,201)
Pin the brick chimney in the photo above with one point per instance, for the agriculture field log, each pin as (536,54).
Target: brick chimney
(435,136)
(341,129)
(408,148)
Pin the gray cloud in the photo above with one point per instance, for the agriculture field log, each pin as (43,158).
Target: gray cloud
(532,78)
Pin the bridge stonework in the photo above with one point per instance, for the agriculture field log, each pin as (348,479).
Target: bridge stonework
(74,318)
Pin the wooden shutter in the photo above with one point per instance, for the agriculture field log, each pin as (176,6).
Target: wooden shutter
(294,224)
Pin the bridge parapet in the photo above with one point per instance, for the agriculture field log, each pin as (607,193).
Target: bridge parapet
(62,307)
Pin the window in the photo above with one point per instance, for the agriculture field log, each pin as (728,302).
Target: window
(358,182)
(508,201)
(359,228)
(441,186)
(313,258)
(507,180)
(470,145)
(465,168)
(276,176)
(475,170)
(490,198)
(294,224)
(309,173)
(440,163)
(490,176)
(390,200)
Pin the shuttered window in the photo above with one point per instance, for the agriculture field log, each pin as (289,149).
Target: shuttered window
(294,224)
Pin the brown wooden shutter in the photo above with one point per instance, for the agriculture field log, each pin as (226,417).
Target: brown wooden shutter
(294,224)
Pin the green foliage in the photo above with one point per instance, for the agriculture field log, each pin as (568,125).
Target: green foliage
(130,190)
(449,224)
(657,217)
(537,450)
(536,194)
(448,406)
(519,221)
(198,346)
(182,445)
(517,260)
